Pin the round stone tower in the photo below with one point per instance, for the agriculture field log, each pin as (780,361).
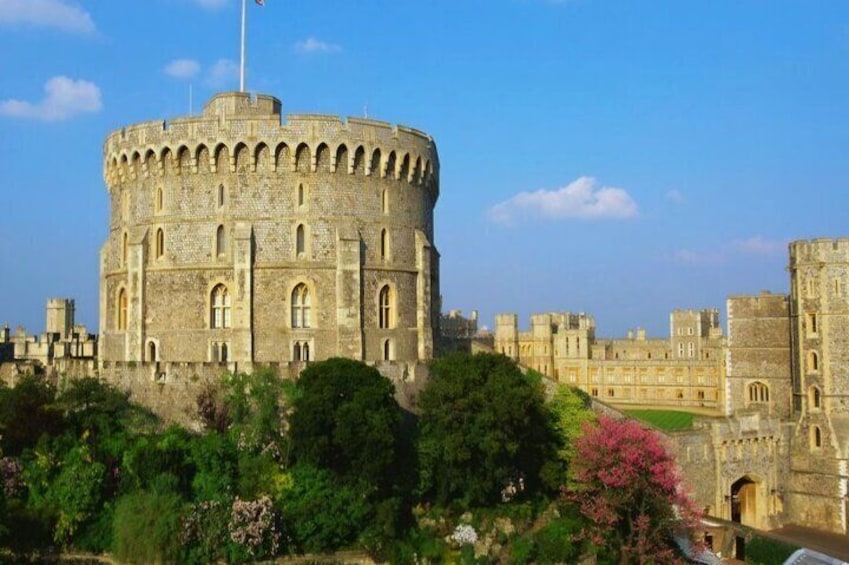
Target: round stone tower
(235,237)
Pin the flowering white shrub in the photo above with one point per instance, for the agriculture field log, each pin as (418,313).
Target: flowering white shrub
(464,534)
(253,523)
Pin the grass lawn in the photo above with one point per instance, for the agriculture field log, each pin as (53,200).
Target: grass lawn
(664,419)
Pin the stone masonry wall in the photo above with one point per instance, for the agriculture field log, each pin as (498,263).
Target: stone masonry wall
(234,197)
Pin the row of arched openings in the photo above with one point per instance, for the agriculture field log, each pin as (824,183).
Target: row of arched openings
(391,165)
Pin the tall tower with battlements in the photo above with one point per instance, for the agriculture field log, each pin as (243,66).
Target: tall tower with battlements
(242,236)
(819,334)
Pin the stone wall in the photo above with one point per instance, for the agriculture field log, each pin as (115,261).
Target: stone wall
(759,354)
(170,390)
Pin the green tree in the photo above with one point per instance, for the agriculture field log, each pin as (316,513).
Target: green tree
(26,413)
(483,425)
(146,527)
(76,492)
(216,461)
(159,457)
(319,514)
(570,410)
(255,411)
(93,406)
(346,420)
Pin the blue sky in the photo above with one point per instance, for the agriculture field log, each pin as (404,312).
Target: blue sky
(616,157)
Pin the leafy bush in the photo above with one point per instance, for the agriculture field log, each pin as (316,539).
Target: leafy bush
(555,543)
(146,527)
(204,532)
(522,550)
(320,514)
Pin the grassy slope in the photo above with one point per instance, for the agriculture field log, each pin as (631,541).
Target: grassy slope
(664,419)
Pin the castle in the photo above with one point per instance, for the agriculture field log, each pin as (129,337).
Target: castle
(772,446)
(62,340)
(236,239)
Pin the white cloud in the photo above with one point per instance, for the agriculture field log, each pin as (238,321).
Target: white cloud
(182,68)
(582,198)
(759,245)
(313,45)
(64,98)
(58,14)
(222,73)
(675,196)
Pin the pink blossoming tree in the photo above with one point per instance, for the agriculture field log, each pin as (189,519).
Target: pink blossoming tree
(626,484)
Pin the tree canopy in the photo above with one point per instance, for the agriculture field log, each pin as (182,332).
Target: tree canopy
(484,426)
(346,420)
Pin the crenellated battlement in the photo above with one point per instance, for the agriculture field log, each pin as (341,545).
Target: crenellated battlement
(237,133)
(819,250)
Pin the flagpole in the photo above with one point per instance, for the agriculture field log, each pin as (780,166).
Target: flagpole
(242,58)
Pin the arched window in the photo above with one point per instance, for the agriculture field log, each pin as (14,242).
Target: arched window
(125,244)
(122,310)
(301,307)
(160,243)
(301,196)
(387,350)
(816,437)
(385,201)
(221,194)
(223,357)
(300,241)
(758,392)
(813,361)
(384,244)
(815,398)
(385,308)
(151,351)
(220,241)
(159,199)
(220,315)
(301,351)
